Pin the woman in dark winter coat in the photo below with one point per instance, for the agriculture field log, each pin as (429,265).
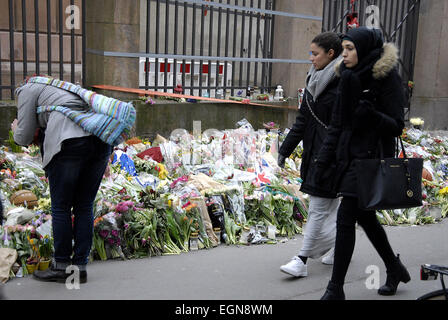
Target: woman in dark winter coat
(369,109)
(311,127)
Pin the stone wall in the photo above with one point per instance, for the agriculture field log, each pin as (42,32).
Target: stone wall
(430,96)
(165,116)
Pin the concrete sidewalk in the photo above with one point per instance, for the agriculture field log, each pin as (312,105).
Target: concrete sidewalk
(247,272)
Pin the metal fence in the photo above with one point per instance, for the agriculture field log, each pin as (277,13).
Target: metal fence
(203,46)
(217,45)
(398,20)
(40,37)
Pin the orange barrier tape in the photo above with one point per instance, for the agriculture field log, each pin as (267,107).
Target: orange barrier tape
(176,95)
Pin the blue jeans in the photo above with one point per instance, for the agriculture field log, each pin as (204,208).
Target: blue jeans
(74,175)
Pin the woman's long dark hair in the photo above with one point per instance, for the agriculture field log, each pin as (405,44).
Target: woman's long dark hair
(330,40)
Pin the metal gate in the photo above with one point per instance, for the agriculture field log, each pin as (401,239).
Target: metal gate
(397,19)
(40,37)
(221,45)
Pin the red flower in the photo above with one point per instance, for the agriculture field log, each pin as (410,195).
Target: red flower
(186,205)
(122,191)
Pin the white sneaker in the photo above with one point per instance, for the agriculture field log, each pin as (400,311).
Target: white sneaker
(329,257)
(295,267)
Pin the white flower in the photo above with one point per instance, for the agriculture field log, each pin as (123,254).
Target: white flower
(416,121)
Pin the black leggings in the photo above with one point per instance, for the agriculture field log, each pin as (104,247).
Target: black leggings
(348,215)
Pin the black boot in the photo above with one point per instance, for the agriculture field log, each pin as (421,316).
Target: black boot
(394,277)
(333,292)
(57,275)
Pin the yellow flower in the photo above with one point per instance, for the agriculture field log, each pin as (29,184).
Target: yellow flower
(163,173)
(443,191)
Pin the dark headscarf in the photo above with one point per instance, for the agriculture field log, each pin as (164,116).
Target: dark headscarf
(365,40)
(369,47)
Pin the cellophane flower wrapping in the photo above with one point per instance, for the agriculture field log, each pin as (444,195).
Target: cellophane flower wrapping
(145,208)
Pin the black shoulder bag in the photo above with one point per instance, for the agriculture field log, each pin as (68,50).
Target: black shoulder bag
(389,183)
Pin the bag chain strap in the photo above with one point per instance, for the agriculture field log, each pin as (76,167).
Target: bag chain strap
(315,117)
(409,192)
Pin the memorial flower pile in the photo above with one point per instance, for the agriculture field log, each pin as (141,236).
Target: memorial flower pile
(215,184)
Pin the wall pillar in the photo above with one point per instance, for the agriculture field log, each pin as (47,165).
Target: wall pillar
(292,39)
(113,25)
(430,96)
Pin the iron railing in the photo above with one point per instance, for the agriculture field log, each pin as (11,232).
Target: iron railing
(200,45)
(398,20)
(205,35)
(40,37)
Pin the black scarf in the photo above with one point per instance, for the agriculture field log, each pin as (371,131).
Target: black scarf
(353,82)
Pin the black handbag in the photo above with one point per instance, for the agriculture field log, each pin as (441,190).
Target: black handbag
(389,183)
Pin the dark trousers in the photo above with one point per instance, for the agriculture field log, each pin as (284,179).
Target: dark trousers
(348,215)
(74,175)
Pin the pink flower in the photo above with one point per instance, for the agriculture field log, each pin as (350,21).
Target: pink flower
(257,184)
(181,179)
(125,206)
(121,207)
(104,233)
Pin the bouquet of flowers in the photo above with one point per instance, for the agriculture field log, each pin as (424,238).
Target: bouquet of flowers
(283,208)
(271,125)
(140,234)
(179,233)
(232,229)
(107,240)
(46,247)
(14,147)
(197,222)
(166,230)
(417,122)
(443,198)
(18,237)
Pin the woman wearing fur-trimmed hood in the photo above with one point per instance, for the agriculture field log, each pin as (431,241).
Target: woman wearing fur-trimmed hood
(369,108)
